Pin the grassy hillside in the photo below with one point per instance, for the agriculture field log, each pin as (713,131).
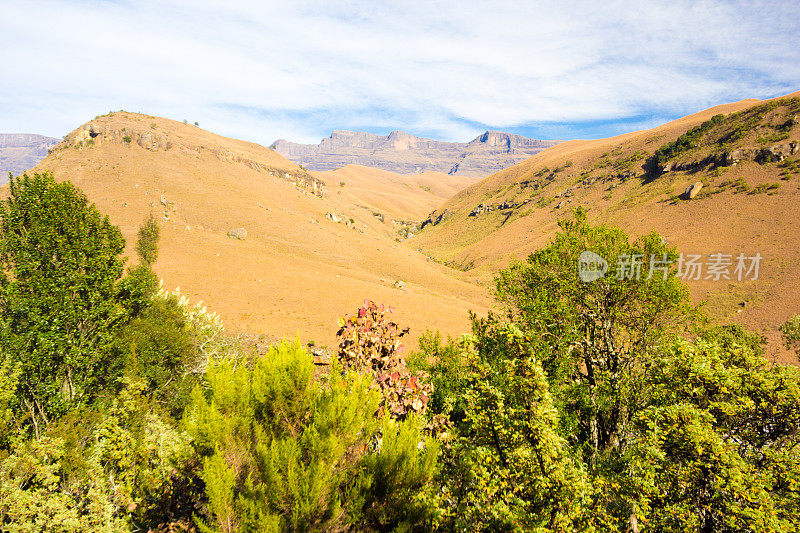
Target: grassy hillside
(308,256)
(746,157)
(397,196)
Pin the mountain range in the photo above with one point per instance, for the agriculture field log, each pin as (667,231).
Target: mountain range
(285,251)
(408,154)
(21,151)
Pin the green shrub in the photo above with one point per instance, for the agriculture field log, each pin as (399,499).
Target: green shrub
(284,451)
(160,346)
(790,331)
(508,469)
(686,141)
(34,498)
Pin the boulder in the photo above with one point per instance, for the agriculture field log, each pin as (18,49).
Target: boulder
(692,190)
(238,233)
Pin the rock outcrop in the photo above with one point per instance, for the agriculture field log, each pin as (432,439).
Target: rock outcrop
(408,154)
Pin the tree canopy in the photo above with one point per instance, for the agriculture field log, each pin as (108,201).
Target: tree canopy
(60,267)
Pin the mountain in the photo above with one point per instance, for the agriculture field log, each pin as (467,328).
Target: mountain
(745,156)
(407,154)
(311,250)
(21,151)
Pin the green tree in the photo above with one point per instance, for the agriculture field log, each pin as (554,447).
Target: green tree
(677,425)
(141,283)
(160,346)
(61,266)
(147,243)
(598,335)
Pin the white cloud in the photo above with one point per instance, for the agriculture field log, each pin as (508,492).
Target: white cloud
(446,69)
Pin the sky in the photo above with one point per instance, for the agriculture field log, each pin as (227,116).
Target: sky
(296,70)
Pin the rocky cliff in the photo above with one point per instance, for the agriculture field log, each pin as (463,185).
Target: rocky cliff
(21,151)
(408,154)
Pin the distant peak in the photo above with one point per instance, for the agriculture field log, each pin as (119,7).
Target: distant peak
(397,134)
(494,138)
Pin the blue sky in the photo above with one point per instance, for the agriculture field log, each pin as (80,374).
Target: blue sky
(447,70)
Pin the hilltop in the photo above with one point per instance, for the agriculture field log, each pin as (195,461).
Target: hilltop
(745,157)
(21,151)
(271,247)
(407,154)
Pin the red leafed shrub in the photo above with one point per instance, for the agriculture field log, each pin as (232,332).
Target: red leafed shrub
(369,342)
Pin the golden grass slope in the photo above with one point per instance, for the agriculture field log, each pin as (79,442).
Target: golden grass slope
(404,197)
(296,272)
(612,179)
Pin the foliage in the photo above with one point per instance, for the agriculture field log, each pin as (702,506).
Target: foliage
(598,335)
(141,283)
(147,243)
(34,497)
(160,346)
(444,365)
(95,470)
(284,451)
(61,265)
(790,331)
(686,141)
(368,342)
(146,459)
(509,470)
(637,425)
(396,475)
(717,448)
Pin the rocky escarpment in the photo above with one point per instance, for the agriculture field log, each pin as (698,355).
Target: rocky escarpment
(21,151)
(770,154)
(96,134)
(408,154)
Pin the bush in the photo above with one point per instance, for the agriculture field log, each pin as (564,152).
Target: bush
(790,331)
(592,411)
(103,469)
(33,497)
(284,451)
(160,346)
(509,469)
(368,342)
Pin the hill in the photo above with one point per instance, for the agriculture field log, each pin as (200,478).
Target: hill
(745,155)
(307,253)
(407,154)
(401,197)
(21,151)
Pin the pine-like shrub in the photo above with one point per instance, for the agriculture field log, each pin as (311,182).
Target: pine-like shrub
(285,451)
